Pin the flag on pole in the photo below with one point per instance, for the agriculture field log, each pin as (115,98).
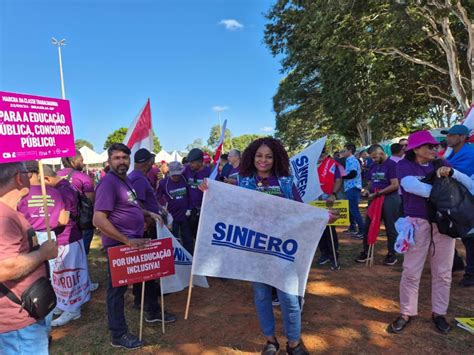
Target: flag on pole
(182,266)
(304,168)
(140,133)
(217,156)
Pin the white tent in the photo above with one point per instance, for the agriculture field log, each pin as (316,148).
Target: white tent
(52,161)
(104,156)
(176,157)
(163,155)
(90,157)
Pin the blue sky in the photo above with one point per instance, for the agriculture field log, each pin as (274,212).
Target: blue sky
(119,53)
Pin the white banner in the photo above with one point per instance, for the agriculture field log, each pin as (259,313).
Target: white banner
(253,236)
(304,167)
(70,274)
(182,265)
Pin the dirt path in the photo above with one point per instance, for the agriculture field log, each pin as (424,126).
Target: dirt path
(345,311)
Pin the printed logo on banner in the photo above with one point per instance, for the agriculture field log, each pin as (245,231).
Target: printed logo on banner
(180,257)
(300,171)
(242,238)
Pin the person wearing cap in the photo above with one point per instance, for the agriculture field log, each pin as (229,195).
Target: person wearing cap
(418,164)
(174,190)
(206,159)
(145,195)
(462,159)
(72,259)
(195,172)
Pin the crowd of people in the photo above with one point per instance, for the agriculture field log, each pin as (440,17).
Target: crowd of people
(127,201)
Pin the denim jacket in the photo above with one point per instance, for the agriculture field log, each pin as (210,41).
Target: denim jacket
(286,184)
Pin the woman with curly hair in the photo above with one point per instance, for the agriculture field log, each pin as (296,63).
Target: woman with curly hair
(265,167)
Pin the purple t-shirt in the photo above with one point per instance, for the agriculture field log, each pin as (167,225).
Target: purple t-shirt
(32,207)
(176,194)
(271,186)
(114,196)
(380,175)
(194,179)
(233,173)
(144,191)
(71,232)
(82,182)
(414,205)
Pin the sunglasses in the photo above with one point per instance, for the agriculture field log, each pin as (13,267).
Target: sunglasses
(430,146)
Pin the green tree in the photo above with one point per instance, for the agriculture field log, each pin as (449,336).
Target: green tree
(118,136)
(241,142)
(215,135)
(197,143)
(82,142)
(347,74)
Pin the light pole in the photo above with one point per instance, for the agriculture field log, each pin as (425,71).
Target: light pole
(59,44)
(218,110)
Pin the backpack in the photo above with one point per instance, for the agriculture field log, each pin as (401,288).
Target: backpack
(85,208)
(453,208)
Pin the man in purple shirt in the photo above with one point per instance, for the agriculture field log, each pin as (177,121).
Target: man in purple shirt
(175,191)
(383,181)
(195,173)
(73,171)
(119,216)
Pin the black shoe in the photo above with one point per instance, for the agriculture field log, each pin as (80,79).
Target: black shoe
(358,236)
(467,280)
(297,350)
(275,301)
(362,258)
(390,260)
(323,260)
(458,263)
(398,325)
(441,324)
(127,341)
(271,348)
(153,317)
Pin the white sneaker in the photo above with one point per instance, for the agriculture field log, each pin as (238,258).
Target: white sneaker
(65,318)
(94,286)
(57,311)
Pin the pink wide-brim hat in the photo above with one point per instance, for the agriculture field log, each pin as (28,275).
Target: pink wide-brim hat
(417,139)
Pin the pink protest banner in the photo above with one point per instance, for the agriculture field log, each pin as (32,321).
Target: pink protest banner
(34,127)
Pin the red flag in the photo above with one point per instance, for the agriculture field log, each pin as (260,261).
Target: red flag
(217,155)
(140,133)
(374,212)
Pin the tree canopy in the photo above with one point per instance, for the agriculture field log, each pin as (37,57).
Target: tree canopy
(215,135)
(369,69)
(79,143)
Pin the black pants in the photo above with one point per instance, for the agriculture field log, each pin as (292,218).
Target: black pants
(194,221)
(182,231)
(152,292)
(325,245)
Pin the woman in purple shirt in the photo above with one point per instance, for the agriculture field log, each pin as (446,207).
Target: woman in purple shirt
(418,164)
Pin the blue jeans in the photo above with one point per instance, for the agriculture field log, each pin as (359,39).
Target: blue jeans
(290,309)
(353,195)
(87,236)
(32,339)
(116,308)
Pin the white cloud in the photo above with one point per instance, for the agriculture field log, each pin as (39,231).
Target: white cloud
(266,129)
(220,108)
(231,24)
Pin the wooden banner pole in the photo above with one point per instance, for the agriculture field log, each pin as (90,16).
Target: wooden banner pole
(45,199)
(162,308)
(336,263)
(188,303)
(141,311)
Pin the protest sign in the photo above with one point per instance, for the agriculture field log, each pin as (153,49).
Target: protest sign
(182,266)
(252,236)
(341,206)
(466,324)
(34,127)
(304,168)
(129,265)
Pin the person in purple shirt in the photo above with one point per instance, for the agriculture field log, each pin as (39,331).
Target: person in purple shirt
(416,166)
(175,191)
(119,216)
(73,170)
(231,174)
(71,252)
(382,177)
(195,172)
